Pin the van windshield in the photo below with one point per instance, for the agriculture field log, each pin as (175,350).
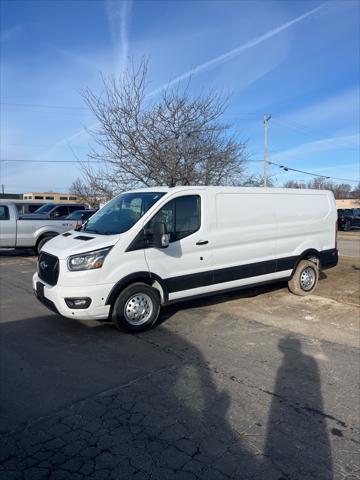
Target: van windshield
(122,213)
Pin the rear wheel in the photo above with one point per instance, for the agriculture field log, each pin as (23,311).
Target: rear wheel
(136,308)
(304,280)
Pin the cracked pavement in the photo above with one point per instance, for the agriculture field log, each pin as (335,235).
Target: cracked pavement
(226,388)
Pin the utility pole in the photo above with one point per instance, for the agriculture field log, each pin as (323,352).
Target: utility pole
(266,124)
(2,188)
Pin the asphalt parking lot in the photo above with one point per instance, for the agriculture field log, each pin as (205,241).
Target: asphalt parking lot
(259,384)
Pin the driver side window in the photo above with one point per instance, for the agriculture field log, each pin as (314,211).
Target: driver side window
(61,212)
(180,216)
(167,216)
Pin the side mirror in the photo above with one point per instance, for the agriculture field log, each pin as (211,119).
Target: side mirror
(160,237)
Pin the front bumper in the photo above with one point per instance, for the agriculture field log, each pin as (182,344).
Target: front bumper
(54,299)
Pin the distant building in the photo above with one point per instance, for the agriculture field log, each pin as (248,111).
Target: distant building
(348,203)
(52,197)
(11,196)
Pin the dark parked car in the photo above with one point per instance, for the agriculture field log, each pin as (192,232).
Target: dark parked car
(81,216)
(348,218)
(56,211)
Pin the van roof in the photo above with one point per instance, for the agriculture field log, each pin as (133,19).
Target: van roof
(232,189)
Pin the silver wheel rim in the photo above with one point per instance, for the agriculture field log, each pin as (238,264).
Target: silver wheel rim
(138,309)
(307,278)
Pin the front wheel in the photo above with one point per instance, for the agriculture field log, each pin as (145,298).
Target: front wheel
(136,308)
(305,278)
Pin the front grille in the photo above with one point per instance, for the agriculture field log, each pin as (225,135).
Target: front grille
(48,268)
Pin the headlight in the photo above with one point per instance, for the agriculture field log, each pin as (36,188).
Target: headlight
(88,260)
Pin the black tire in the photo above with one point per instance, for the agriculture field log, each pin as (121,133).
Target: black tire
(305,278)
(42,242)
(139,301)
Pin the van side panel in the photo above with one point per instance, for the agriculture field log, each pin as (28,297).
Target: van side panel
(305,222)
(242,245)
(260,236)
(245,231)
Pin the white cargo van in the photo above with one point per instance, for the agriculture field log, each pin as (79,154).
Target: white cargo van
(150,247)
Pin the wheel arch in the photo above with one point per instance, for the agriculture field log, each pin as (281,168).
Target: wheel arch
(150,279)
(308,254)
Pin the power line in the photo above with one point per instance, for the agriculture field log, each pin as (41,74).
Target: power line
(284,167)
(29,145)
(49,161)
(70,107)
(38,105)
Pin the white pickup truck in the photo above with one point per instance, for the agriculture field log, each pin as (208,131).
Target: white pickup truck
(19,232)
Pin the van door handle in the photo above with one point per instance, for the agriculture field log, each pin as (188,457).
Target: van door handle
(202,242)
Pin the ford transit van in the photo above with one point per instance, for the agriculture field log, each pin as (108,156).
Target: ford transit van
(149,247)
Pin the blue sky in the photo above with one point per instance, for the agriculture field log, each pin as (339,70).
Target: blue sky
(297,60)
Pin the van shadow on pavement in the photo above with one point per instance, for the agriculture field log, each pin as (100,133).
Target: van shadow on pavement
(167,418)
(218,298)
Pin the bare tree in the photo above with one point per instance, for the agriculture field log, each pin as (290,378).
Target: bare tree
(171,139)
(91,188)
(342,190)
(294,184)
(355,193)
(257,180)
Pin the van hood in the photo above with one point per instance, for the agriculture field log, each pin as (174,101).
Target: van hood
(74,242)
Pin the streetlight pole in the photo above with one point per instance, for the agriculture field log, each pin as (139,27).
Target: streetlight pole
(266,124)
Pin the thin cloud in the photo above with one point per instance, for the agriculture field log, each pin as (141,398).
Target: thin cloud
(118,14)
(114,13)
(326,144)
(236,51)
(337,109)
